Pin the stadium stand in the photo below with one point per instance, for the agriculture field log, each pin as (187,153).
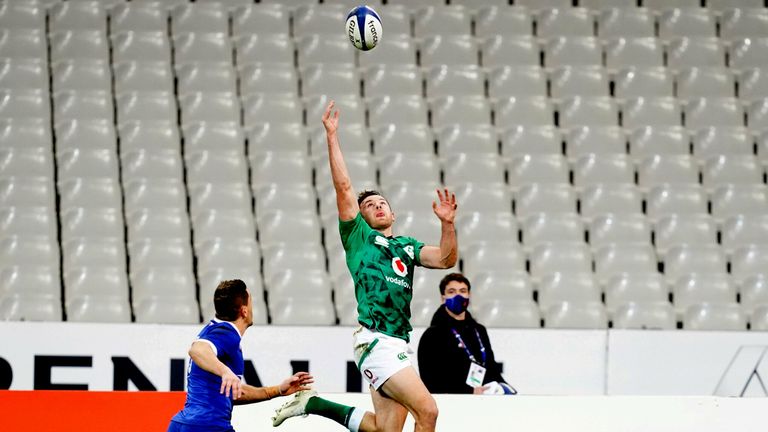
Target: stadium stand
(609,156)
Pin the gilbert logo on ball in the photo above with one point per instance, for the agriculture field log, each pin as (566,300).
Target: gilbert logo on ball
(363,28)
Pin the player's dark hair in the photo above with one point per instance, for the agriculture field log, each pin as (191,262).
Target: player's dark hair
(369,192)
(454,277)
(228,298)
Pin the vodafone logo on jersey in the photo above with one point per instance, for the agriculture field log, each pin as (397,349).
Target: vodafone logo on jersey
(399,267)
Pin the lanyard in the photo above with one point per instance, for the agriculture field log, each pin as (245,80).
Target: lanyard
(463,345)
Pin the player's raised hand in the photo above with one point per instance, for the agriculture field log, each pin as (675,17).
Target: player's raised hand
(445,207)
(297,382)
(230,384)
(331,118)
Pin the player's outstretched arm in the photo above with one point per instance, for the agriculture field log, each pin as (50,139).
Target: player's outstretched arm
(446,254)
(345,194)
(294,383)
(205,358)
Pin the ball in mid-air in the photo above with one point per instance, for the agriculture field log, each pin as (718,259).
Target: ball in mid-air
(363,28)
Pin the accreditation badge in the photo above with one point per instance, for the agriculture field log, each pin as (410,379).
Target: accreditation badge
(476,375)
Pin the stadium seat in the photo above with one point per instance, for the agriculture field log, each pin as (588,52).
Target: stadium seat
(221,196)
(544,169)
(620,199)
(732,200)
(517,140)
(22,250)
(26,192)
(143,76)
(199,18)
(576,315)
(573,51)
(481,197)
(151,164)
(85,134)
(728,316)
(29,133)
(26,162)
(663,4)
(468,80)
(749,261)
(710,82)
(463,168)
(273,227)
(216,166)
(703,112)
(30,307)
(564,22)
(695,52)
(423,226)
(324,49)
(201,47)
(503,20)
(88,222)
(625,22)
(686,22)
(146,17)
(651,111)
(262,18)
(658,140)
(688,259)
(699,230)
(159,252)
(670,169)
(743,22)
(280,167)
(560,258)
(615,259)
(395,49)
(392,79)
(721,5)
(637,52)
(757,114)
(90,192)
(208,77)
(753,83)
(743,230)
(612,229)
(156,193)
(227,253)
(394,138)
(544,4)
(265,48)
(299,284)
(95,281)
(558,288)
(504,284)
(667,200)
(468,139)
(584,81)
(449,50)
(67,105)
(282,197)
(633,82)
(722,140)
(139,46)
(397,109)
(23,44)
(212,223)
(537,198)
(593,169)
(526,111)
(22,16)
(136,135)
(658,315)
(98,309)
(422,311)
(462,110)
(509,50)
(93,252)
(158,223)
(758,320)
(441,20)
(278,257)
(146,106)
(702,288)
(634,288)
(505,81)
(80,75)
(731,169)
(329,79)
(559,227)
(503,313)
(489,227)
(289,137)
(148,282)
(317,19)
(78,45)
(479,257)
(169,310)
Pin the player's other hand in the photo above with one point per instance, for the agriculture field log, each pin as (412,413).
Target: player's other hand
(231,384)
(445,207)
(297,382)
(331,118)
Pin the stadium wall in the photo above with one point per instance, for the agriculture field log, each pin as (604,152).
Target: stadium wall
(70,411)
(77,356)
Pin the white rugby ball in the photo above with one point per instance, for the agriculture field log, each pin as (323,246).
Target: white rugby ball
(363,28)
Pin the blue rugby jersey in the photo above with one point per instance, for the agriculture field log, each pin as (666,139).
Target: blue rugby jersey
(205,406)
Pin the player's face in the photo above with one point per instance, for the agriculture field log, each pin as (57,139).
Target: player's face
(455,288)
(249,317)
(375,210)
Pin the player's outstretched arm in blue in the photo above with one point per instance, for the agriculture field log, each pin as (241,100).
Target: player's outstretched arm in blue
(346,201)
(297,382)
(446,254)
(205,358)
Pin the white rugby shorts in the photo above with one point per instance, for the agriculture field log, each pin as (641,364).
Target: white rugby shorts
(379,356)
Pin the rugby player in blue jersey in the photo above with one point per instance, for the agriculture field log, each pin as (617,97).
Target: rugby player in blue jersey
(214,381)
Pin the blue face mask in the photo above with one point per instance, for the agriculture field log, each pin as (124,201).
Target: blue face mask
(457,304)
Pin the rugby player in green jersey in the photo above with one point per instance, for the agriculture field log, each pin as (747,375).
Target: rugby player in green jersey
(381,266)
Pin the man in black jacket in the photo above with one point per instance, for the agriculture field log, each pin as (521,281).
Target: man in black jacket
(455,354)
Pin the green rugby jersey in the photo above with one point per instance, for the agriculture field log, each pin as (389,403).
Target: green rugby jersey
(382,269)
